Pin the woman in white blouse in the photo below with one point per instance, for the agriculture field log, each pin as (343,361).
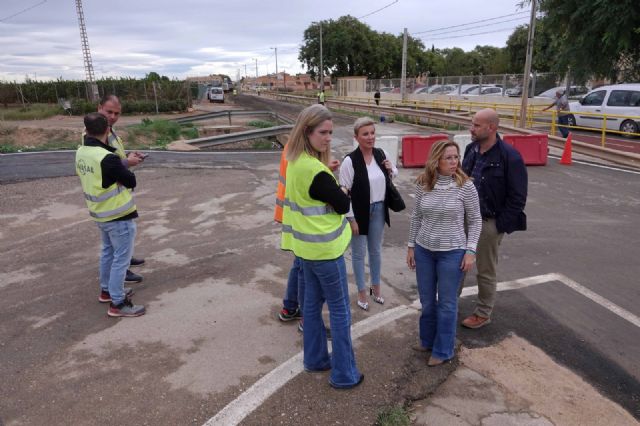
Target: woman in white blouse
(439,249)
(364,173)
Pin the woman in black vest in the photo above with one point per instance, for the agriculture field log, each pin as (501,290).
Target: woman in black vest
(364,173)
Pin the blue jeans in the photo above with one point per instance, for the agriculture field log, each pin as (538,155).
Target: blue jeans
(294,295)
(563,120)
(372,241)
(326,280)
(117,248)
(438,273)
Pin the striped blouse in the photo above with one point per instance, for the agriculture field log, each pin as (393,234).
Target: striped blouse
(437,220)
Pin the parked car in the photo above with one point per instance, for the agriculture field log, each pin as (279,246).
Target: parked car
(386,89)
(573,91)
(514,91)
(486,90)
(464,89)
(619,99)
(215,94)
(436,89)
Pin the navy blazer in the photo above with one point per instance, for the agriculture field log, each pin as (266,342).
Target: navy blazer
(503,185)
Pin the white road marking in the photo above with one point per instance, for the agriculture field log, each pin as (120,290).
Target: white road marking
(234,412)
(599,166)
(253,397)
(605,303)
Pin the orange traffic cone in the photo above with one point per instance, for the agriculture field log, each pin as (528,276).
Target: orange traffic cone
(566,154)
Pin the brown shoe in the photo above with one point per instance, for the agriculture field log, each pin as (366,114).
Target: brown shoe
(474,321)
(419,348)
(434,362)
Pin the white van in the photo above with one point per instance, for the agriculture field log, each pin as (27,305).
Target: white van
(619,99)
(215,94)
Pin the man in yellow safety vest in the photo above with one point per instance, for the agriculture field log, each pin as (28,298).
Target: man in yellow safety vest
(105,183)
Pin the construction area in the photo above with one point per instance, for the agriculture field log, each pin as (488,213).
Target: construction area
(561,348)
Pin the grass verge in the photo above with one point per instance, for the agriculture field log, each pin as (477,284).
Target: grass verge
(30,112)
(261,124)
(157,134)
(393,416)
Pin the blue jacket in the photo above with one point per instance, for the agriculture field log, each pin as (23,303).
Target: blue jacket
(503,186)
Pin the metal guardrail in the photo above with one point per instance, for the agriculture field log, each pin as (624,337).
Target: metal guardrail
(229,113)
(239,136)
(615,156)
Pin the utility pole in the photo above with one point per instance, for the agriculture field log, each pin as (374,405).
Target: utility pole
(86,53)
(403,76)
(256,59)
(276,49)
(245,70)
(321,72)
(527,66)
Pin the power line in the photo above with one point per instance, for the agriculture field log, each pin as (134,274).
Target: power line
(468,35)
(469,23)
(378,10)
(23,11)
(477,26)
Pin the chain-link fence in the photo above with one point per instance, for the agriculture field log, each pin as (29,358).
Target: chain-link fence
(498,85)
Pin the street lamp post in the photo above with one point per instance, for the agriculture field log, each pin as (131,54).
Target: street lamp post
(276,50)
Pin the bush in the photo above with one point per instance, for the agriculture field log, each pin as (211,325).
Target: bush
(261,124)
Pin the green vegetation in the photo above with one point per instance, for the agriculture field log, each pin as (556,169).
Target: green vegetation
(393,416)
(30,112)
(81,107)
(263,143)
(261,124)
(562,42)
(157,134)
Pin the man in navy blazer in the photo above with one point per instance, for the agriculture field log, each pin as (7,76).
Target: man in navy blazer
(500,177)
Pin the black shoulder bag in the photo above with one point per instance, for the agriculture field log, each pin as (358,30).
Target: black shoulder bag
(392,197)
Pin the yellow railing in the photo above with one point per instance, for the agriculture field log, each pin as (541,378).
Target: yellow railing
(536,117)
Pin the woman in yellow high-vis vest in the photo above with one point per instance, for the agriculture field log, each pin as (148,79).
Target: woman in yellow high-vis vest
(315,229)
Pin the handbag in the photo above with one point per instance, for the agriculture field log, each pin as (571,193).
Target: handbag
(392,197)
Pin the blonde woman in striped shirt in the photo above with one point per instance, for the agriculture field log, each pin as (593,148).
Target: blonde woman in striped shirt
(439,249)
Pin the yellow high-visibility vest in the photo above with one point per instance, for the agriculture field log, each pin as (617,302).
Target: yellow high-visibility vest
(311,228)
(104,204)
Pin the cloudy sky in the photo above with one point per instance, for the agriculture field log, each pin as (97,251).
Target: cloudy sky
(199,37)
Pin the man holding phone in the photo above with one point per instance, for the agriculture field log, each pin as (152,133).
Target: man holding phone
(111,108)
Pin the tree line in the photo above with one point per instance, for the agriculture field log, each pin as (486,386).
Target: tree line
(569,36)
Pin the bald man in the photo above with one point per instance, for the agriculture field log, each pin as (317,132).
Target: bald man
(500,177)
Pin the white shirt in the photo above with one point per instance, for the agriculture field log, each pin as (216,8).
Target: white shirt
(377,183)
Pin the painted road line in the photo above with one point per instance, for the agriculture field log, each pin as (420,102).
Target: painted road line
(266,386)
(253,397)
(605,303)
(584,163)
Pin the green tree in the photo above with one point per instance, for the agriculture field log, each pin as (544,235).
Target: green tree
(544,49)
(595,37)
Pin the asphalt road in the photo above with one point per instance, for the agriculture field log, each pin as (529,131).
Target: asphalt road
(213,283)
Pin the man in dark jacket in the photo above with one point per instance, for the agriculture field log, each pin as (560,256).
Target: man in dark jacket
(105,182)
(500,177)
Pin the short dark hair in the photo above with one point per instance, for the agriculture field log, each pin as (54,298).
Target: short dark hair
(96,124)
(109,98)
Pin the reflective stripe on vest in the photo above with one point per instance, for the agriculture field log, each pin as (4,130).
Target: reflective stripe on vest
(105,196)
(308,211)
(313,238)
(115,212)
(310,228)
